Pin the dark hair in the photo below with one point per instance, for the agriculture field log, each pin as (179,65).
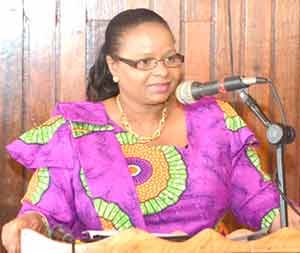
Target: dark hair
(100,82)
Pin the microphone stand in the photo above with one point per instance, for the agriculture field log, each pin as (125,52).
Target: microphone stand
(278,135)
(59,234)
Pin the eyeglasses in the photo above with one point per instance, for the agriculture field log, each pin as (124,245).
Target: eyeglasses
(171,61)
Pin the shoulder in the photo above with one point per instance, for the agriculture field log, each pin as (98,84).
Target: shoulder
(65,121)
(206,106)
(209,103)
(51,143)
(87,112)
(212,110)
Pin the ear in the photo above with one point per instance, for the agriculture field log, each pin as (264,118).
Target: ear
(112,65)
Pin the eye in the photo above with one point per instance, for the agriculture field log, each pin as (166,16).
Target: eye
(175,58)
(145,63)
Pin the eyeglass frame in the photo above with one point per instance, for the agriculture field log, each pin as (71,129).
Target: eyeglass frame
(133,63)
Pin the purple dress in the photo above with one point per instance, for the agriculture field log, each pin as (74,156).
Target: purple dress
(91,175)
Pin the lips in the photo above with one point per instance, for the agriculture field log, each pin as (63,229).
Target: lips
(161,83)
(160,87)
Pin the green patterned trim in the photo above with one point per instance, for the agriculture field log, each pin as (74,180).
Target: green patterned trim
(43,180)
(107,210)
(268,219)
(125,138)
(232,120)
(113,213)
(234,123)
(44,133)
(84,183)
(80,129)
(254,159)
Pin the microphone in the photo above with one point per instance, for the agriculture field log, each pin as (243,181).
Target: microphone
(59,234)
(189,92)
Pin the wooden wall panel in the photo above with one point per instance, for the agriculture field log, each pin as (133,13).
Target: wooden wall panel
(105,9)
(39,61)
(220,40)
(72,23)
(38,65)
(257,62)
(132,4)
(220,44)
(96,25)
(197,20)
(286,76)
(237,16)
(11,104)
(45,58)
(171,11)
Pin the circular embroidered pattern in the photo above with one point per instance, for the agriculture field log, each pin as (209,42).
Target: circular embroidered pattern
(139,169)
(159,173)
(154,174)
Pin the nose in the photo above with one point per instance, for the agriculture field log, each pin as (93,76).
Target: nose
(160,69)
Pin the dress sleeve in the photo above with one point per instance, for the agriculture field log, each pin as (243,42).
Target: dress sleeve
(47,151)
(50,193)
(48,145)
(254,197)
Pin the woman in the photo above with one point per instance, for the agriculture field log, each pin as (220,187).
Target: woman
(135,157)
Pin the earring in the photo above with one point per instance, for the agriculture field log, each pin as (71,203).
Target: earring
(115,79)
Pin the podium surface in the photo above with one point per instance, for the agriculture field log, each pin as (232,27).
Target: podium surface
(286,240)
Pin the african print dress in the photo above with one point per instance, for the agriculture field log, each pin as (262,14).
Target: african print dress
(90,174)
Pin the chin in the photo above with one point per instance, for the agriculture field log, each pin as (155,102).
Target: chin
(161,98)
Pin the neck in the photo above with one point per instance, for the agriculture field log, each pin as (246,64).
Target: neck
(143,127)
(138,113)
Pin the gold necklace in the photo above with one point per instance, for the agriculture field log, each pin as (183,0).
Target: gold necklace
(140,138)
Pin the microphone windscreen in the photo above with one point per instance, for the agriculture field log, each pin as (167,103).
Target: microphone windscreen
(59,234)
(184,92)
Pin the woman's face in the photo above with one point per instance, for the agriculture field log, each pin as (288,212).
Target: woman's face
(148,40)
